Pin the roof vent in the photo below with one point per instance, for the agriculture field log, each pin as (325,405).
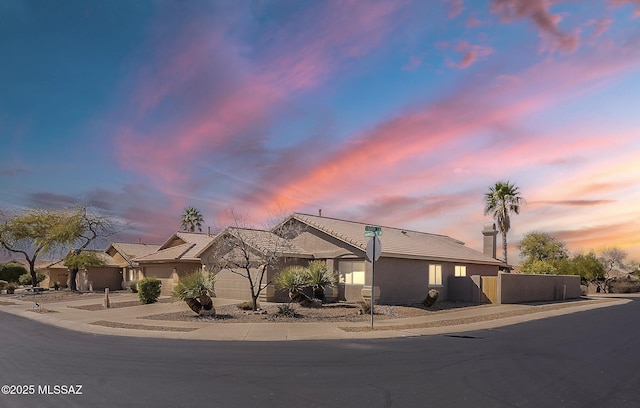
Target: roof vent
(319,212)
(404,232)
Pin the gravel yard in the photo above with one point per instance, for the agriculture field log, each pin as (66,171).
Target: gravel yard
(333,312)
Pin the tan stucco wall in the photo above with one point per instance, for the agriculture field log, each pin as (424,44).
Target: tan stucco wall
(104,277)
(119,259)
(169,273)
(520,288)
(230,285)
(54,274)
(407,280)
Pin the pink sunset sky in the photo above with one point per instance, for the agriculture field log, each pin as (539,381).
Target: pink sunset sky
(397,113)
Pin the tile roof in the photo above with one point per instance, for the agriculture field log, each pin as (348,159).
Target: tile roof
(266,241)
(108,260)
(200,241)
(131,251)
(397,242)
(173,253)
(186,246)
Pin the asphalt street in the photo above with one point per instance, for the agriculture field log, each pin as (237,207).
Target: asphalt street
(586,359)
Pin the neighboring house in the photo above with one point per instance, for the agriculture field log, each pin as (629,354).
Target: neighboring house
(124,254)
(177,257)
(411,262)
(55,271)
(100,277)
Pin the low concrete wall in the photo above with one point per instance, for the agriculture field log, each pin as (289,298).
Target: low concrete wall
(521,288)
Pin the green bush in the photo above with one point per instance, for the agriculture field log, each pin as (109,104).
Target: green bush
(11,288)
(149,290)
(3,284)
(11,272)
(25,279)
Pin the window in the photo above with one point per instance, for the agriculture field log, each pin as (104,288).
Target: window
(461,270)
(351,272)
(435,275)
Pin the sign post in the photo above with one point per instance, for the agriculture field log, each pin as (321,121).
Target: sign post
(374,249)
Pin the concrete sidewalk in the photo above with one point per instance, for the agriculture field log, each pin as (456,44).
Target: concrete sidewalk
(129,321)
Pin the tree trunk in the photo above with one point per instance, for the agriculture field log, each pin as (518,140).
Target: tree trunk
(194,305)
(504,246)
(318,293)
(32,270)
(71,282)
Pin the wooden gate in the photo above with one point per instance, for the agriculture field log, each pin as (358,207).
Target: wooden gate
(490,289)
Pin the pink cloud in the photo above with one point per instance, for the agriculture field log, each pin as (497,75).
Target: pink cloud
(445,127)
(538,12)
(601,26)
(455,8)
(413,64)
(473,22)
(470,54)
(229,97)
(635,3)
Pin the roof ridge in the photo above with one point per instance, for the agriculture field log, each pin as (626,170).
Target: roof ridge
(378,225)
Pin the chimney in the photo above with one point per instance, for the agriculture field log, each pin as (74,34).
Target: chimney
(209,231)
(489,244)
(319,212)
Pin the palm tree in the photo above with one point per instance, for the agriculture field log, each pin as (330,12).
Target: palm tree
(501,200)
(192,219)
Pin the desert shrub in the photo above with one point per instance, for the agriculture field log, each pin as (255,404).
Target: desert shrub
(194,285)
(365,307)
(292,278)
(3,284)
(286,310)
(149,290)
(132,287)
(318,276)
(11,288)
(246,306)
(624,286)
(25,279)
(11,272)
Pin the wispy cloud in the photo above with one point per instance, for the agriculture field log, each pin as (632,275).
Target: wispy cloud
(546,22)
(470,54)
(635,3)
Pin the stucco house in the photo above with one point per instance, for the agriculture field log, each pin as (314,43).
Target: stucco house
(125,254)
(108,275)
(411,262)
(178,256)
(236,249)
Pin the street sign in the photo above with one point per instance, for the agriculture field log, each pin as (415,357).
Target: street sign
(372,231)
(374,249)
